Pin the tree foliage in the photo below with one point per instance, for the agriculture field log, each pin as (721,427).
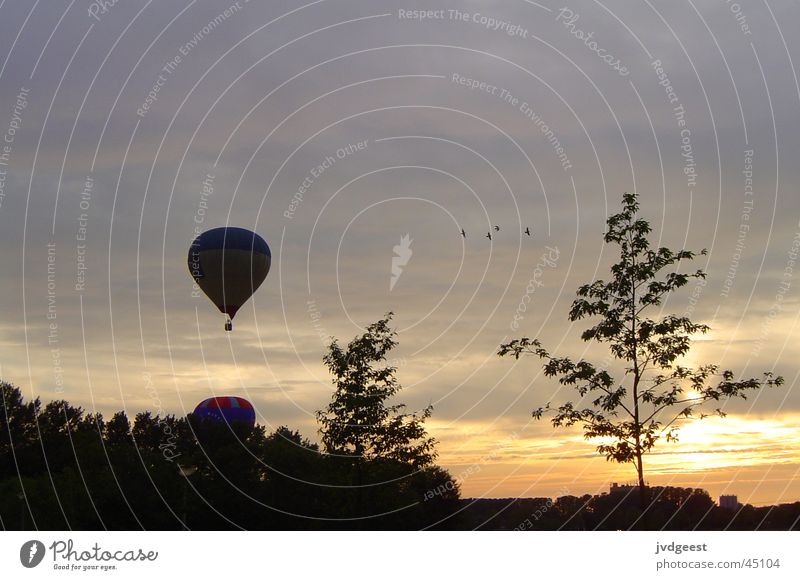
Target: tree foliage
(61,467)
(360,421)
(656,393)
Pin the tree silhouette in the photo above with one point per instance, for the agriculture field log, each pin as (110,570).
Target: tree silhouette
(384,452)
(656,393)
(359,421)
(62,468)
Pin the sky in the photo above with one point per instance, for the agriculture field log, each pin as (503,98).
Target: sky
(335,128)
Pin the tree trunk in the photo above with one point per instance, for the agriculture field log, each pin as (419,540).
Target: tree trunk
(359,501)
(637,375)
(640,472)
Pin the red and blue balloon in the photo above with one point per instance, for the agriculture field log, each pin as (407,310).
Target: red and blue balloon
(227,410)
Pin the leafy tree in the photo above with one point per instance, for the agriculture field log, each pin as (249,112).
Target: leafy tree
(117,431)
(359,421)
(656,394)
(381,453)
(17,427)
(297,475)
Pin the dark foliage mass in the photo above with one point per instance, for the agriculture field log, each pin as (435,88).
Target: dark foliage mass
(63,468)
(669,508)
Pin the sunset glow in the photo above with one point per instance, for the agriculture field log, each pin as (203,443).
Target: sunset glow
(754,458)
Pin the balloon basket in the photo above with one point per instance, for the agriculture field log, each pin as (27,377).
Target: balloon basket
(228,325)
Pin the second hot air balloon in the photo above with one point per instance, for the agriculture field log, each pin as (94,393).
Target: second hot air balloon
(226,410)
(229,264)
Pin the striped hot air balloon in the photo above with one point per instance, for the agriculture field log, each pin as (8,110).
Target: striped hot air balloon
(227,410)
(229,264)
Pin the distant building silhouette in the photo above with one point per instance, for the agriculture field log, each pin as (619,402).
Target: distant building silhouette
(617,488)
(729,502)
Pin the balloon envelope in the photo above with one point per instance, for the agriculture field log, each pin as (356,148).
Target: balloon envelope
(229,264)
(227,410)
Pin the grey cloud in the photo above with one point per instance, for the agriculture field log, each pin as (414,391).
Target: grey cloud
(168,203)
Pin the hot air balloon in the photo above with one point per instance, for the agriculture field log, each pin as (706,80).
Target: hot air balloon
(229,264)
(227,410)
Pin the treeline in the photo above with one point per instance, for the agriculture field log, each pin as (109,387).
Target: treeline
(63,468)
(375,468)
(668,508)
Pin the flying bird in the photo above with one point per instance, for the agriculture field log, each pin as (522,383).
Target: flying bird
(489,235)
(497,228)
(463,233)
(528,231)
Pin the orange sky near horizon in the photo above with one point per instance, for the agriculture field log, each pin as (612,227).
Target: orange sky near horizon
(757,459)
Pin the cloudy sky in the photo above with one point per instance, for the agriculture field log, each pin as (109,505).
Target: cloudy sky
(129,125)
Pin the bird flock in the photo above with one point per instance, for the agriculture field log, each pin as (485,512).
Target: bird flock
(527,232)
